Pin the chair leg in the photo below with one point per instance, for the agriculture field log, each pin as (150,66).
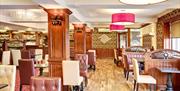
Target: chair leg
(134,85)
(20,87)
(86,81)
(76,88)
(127,75)
(124,73)
(154,87)
(90,66)
(81,87)
(115,61)
(94,67)
(137,86)
(150,85)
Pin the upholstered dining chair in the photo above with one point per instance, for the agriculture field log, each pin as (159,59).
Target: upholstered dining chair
(127,67)
(45,84)
(25,54)
(117,59)
(8,76)
(92,58)
(26,70)
(139,79)
(16,55)
(83,58)
(6,57)
(71,74)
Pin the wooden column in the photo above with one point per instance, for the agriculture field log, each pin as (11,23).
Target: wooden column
(58,42)
(166,33)
(79,38)
(37,38)
(129,37)
(88,39)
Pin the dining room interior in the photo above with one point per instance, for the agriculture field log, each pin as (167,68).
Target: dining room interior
(89,45)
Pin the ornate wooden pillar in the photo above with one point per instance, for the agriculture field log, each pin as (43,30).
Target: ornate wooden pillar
(88,38)
(58,42)
(79,38)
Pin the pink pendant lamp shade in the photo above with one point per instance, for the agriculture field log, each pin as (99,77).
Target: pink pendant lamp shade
(116,27)
(123,18)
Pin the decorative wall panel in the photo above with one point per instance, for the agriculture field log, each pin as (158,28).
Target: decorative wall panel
(104,40)
(147,41)
(168,18)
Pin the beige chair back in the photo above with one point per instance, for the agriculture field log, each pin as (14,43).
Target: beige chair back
(6,57)
(115,54)
(135,69)
(16,55)
(8,76)
(71,73)
(38,54)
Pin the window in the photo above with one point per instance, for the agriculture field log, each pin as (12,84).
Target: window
(175,44)
(135,39)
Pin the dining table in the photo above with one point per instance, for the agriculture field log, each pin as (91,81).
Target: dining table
(169,71)
(41,67)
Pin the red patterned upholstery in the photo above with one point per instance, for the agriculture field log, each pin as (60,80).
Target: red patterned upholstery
(45,84)
(131,55)
(25,54)
(83,58)
(127,61)
(26,69)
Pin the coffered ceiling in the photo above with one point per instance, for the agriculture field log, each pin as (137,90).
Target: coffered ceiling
(96,13)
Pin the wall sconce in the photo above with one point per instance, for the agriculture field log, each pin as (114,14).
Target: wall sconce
(57,20)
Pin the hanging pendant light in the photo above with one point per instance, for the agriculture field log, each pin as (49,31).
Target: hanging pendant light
(141,2)
(113,27)
(123,18)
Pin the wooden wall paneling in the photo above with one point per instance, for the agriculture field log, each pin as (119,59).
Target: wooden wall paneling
(58,46)
(118,41)
(79,38)
(162,26)
(88,40)
(147,41)
(104,53)
(150,68)
(129,37)
(166,34)
(37,38)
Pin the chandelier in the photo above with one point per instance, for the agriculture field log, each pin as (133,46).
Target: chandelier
(141,2)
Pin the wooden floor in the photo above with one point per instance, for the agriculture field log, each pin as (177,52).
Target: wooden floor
(109,77)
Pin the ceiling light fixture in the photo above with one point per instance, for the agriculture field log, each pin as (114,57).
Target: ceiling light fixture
(141,2)
(123,18)
(113,27)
